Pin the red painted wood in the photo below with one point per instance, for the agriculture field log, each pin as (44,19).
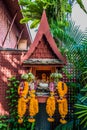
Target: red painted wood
(44,30)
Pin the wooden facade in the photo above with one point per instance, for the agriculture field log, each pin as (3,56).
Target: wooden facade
(11,31)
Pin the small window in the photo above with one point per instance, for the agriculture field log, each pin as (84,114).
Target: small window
(22,45)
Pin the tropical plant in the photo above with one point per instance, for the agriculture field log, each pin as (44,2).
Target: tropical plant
(3,123)
(82,114)
(55,10)
(12,96)
(80,3)
(68,126)
(75,42)
(81,105)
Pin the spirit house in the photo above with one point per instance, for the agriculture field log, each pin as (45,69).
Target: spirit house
(43,59)
(43,56)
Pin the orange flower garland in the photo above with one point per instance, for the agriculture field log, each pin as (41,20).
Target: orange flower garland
(50,107)
(21,108)
(63,109)
(62,102)
(62,90)
(22,91)
(33,106)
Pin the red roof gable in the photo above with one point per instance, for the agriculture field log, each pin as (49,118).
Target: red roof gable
(44,30)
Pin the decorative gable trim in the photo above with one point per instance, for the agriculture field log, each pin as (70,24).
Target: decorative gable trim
(44,30)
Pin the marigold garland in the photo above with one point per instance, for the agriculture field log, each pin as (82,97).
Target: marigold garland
(23,92)
(63,108)
(33,106)
(62,89)
(50,107)
(62,102)
(21,108)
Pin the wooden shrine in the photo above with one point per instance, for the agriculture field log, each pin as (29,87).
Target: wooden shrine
(43,55)
(44,58)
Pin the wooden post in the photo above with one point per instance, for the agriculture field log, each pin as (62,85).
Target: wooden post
(19,38)
(9,29)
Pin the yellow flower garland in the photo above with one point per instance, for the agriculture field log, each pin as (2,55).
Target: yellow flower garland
(33,106)
(21,108)
(25,91)
(50,107)
(63,109)
(62,102)
(22,101)
(62,90)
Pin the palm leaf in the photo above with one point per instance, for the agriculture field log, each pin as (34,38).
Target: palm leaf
(81,5)
(80,112)
(80,106)
(83,120)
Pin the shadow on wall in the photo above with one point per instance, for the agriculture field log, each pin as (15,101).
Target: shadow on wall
(9,66)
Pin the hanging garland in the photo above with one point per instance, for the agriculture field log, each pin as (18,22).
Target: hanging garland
(26,87)
(63,109)
(62,102)
(21,108)
(33,106)
(50,107)
(22,91)
(62,89)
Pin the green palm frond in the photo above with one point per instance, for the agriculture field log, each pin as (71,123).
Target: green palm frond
(74,41)
(82,113)
(80,2)
(83,98)
(68,126)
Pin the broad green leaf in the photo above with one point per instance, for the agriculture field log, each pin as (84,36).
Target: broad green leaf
(24,20)
(34,23)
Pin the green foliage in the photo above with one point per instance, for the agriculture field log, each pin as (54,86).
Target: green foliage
(68,74)
(81,105)
(82,114)
(68,126)
(76,45)
(13,97)
(3,123)
(55,9)
(80,2)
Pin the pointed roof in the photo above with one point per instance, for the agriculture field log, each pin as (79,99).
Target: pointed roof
(44,29)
